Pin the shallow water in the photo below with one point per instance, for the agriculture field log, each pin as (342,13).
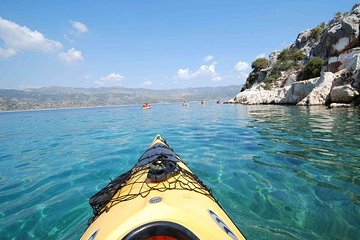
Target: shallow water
(281,172)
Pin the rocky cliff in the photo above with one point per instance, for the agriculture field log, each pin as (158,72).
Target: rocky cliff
(322,67)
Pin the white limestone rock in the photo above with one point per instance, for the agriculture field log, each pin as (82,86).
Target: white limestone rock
(353,64)
(349,60)
(305,42)
(232,100)
(343,94)
(273,57)
(256,95)
(340,105)
(320,94)
(298,91)
(341,44)
(342,34)
(290,80)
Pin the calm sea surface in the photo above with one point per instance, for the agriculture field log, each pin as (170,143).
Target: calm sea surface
(280,172)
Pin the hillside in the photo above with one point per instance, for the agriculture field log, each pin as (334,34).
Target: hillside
(64,97)
(321,67)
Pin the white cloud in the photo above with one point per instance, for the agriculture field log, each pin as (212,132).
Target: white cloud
(71,56)
(18,38)
(208,58)
(242,69)
(204,71)
(261,55)
(147,83)
(111,79)
(183,73)
(7,52)
(208,71)
(242,66)
(80,27)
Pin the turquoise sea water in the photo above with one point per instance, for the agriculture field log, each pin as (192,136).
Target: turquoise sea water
(280,172)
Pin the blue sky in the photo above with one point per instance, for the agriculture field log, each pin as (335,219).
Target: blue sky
(151,44)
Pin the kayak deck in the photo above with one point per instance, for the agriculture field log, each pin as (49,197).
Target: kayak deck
(160,188)
(136,182)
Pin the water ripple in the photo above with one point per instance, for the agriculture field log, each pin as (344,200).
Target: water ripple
(281,172)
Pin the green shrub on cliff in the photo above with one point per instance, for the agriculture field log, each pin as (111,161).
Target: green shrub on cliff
(273,76)
(257,65)
(260,63)
(250,80)
(290,54)
(267,85)
(288,59)
(312,69)
(316,32)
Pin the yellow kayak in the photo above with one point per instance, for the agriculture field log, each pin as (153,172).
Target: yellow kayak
(160,198)
(147,107)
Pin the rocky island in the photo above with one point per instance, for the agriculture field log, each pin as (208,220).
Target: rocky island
(322,67)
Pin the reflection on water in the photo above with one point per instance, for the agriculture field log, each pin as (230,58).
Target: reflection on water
(281,172)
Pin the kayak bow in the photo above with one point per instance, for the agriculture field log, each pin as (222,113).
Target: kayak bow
(158,199)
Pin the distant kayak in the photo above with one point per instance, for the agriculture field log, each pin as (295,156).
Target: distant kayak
(160,198)
(146,106)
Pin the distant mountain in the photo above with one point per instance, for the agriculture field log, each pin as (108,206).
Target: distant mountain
(65,97)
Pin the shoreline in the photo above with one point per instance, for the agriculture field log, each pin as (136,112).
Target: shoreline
(130,105)
(101,106)
(88,107)
(64,108)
